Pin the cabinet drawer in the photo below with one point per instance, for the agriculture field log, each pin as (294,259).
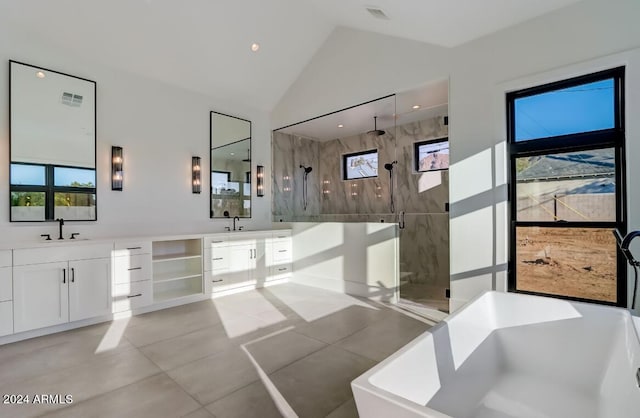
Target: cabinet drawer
(223,281)
(282,251)
(132,295)
(284,234)
(220,258)
(215,242)
(6,284)
(133,268)
(280,271)
(6,318)
(42,255)
(5,258)
(125,248)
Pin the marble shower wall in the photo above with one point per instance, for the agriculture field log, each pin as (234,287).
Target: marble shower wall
(361,196)
(289,152)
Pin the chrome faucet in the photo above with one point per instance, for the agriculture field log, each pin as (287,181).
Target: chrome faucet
(60,222)
(234,222)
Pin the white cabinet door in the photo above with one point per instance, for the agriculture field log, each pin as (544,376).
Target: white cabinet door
(40,295)
(240,257)
(89,288)
(259,261)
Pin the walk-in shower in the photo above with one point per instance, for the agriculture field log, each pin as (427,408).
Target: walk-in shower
(366,172)
(305,186)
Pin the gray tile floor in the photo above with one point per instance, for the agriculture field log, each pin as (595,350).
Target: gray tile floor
(283,350)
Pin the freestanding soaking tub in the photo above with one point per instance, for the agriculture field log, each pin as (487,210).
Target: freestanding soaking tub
(512,355)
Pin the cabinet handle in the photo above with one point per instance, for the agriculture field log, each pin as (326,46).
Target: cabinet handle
(282,236)
(282,269)
(217,242)
(73,275)
(250,253)
(216,281)
(135,268)
(218,258)
(134,248)
(282,251)
(64,275)
(134,296)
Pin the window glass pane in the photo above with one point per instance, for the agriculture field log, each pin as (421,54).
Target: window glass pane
(576,262)
(432,155)
(360,165)
(573,186)
(27,175)
(74,177)
(584,108)
(219,181)
(75,206)
(27,206)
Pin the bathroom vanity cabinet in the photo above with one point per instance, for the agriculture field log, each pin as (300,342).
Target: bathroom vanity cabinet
(246,259)
(53,286)
(6,294)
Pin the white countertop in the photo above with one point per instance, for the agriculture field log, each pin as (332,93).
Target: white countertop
(103,240)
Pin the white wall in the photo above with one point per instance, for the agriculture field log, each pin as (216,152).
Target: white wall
(160,128)
(354,66)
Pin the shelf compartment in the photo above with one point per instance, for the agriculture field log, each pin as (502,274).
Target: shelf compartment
(172,278)
(176,249)
(174,289)
(172,257)
(177,268)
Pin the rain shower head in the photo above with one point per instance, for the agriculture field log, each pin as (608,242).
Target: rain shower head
(307,170)
(376,131)
(389,166)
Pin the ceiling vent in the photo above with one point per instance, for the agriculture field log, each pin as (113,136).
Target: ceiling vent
(377,13)
(70,99)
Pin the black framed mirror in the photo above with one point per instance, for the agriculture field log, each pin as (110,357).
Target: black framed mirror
(52,145)
(231,172)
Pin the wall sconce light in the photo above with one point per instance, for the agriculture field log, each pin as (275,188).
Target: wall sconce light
(117,173)
(196,186)
(260,181)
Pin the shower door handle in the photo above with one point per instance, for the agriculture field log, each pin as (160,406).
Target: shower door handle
(401,223)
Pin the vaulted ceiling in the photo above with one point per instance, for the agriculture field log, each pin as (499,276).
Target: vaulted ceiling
(204,45)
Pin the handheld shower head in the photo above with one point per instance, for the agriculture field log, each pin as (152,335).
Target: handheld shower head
(389,166)
(307,170)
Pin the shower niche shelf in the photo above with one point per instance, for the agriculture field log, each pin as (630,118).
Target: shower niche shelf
(177,268)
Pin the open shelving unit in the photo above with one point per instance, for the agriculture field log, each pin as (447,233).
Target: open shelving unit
(177,268)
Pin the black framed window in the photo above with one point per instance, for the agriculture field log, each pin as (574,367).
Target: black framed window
(59,191)
(432,155)
(567,190)
(360,165)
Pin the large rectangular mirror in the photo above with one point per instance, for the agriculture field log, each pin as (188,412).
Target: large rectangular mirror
(230,166)
(53,145)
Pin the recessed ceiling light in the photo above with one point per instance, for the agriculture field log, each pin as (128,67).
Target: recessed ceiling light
(40,74)
(255,47)
(416,106)
(232,153)
(341,126)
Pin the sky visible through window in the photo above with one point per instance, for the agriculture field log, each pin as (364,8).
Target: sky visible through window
(584,108)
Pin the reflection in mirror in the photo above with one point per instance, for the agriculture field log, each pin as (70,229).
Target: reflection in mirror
(53,145)
(230,166)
